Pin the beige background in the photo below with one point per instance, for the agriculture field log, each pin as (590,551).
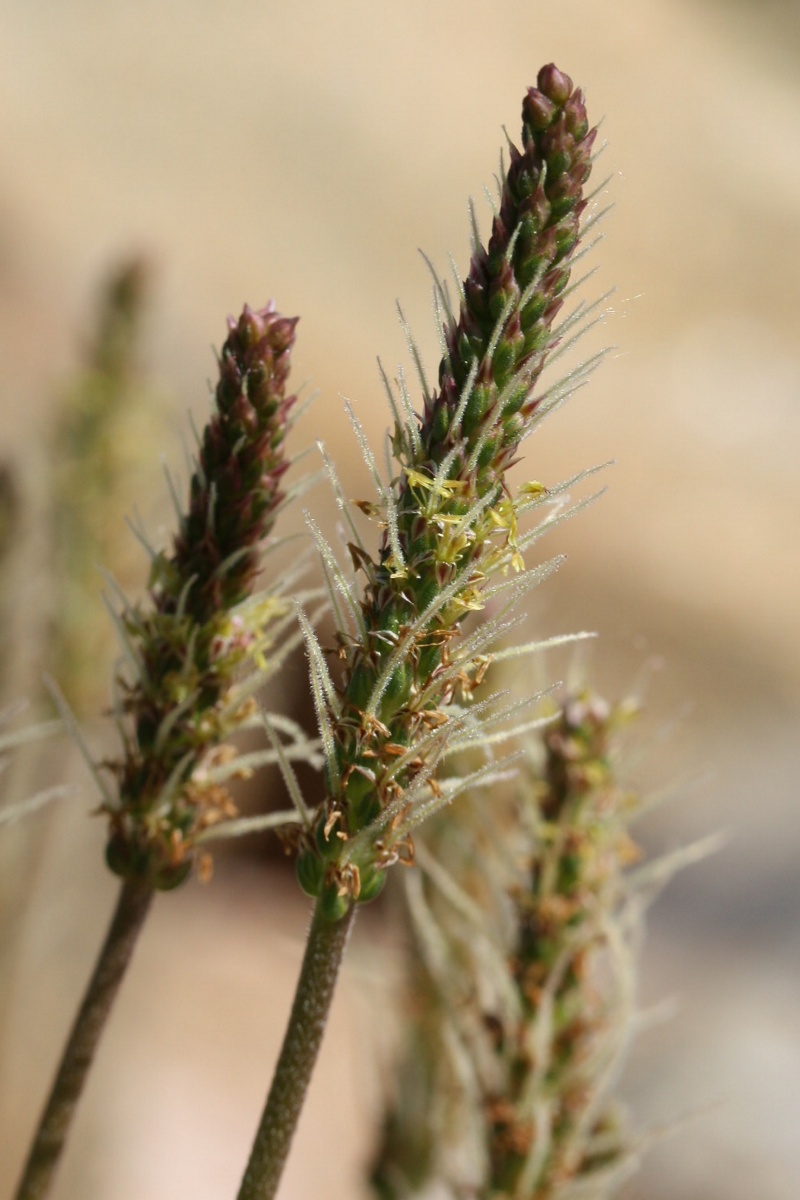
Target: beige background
(304,152)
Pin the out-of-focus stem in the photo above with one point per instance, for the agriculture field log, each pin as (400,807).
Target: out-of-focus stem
(323,957)
(112,963)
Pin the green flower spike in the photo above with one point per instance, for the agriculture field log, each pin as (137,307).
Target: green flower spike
(449,521)
(190,646)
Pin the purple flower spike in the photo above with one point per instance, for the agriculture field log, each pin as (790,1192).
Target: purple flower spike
(188,644)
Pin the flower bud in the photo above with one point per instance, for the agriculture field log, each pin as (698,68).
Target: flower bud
(554,83)
(537,110)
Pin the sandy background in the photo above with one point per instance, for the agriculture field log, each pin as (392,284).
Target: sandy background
(305,152)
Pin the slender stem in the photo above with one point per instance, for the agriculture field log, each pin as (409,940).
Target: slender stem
(132,906)
(324,952)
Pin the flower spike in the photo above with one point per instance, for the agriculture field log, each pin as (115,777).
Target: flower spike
(450,521)
(196,636)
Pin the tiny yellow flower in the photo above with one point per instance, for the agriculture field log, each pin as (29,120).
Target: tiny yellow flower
(444,488)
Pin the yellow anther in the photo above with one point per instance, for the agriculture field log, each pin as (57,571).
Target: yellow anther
(443,487)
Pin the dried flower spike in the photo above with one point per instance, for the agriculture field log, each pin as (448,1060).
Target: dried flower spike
(107,427)
(190,644)
(522,968)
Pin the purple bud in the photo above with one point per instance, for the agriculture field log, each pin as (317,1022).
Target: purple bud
(252,326)
(282,333)
(575,117)
(537,111)
(555,84)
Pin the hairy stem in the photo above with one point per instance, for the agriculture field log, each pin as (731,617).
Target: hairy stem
(323,956)
(115,955)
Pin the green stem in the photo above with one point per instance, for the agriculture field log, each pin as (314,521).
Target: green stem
(324,952)
(132,906)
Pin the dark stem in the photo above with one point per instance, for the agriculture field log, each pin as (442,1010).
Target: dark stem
(132,906)
(323,956)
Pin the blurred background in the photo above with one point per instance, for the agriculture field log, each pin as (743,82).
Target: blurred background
(305,152)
